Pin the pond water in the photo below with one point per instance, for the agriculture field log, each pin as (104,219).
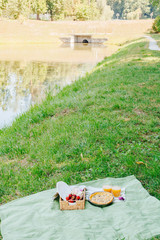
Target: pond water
(27,73)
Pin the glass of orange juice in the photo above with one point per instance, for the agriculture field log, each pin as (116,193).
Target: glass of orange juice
(116,191)
(107,188)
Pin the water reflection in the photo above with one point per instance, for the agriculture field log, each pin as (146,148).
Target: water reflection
(25,83)
(28,71)
(83,46)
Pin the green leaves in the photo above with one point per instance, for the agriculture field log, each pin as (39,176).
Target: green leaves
(38,6)
(131,9)
(156,25)
(16,8)
(155,2)
(56,8)
(80,9)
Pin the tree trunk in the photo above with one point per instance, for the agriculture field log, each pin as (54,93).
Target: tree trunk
(51,13)
(38,18)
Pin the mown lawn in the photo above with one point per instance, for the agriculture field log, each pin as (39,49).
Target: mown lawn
(104,125)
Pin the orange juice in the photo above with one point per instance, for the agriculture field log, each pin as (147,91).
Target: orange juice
(107,188)
(116,191)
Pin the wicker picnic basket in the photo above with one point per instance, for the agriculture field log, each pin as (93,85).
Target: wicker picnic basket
(79,204)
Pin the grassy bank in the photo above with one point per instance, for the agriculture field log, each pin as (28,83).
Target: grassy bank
(104,125)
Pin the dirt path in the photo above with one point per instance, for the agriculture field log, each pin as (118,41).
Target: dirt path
(153,44)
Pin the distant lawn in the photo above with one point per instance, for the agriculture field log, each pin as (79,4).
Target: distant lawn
(104,125)
(36,32)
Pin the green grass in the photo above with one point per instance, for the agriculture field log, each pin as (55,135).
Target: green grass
(100,126)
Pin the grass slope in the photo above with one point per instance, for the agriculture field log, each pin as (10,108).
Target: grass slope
(104,125)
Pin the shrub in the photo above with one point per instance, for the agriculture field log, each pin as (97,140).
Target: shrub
(86,12)
(134,15)
(156,25)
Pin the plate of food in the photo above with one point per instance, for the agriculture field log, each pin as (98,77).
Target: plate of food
(101,199)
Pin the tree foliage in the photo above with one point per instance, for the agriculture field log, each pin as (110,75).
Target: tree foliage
(14,8)
(105,10)
(38,6)
(86,12)
(155,2)
(55,8)
(156,25)
(81,9)
(117,6)
(130,9)
(135,9)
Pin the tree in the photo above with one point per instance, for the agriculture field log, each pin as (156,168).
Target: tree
(134,9)
(50,6)
(86,11)
(134,15)
(16,8)
(55,8)
(117,6)
(69,8)
(3,4)
(105,11)
(38,7)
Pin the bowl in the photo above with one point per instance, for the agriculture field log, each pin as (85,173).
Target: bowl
(101,199)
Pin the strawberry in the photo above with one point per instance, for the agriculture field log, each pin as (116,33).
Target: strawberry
(70,195)
(78,197)
(67,198)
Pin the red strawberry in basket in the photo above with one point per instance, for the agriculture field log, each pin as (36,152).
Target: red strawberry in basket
(67,198)
(70,195)
(78,197)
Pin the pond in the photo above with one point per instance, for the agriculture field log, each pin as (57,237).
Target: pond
(28,73)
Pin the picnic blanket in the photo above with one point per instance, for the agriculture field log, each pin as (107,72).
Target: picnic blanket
(38,217)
